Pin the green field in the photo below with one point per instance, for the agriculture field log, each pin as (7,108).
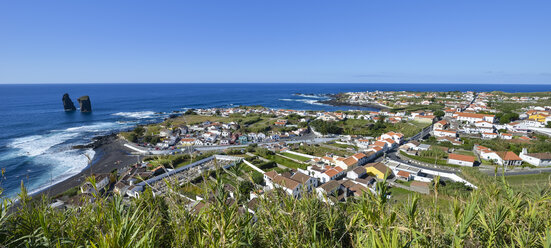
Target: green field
(533,181)
(442,162)
(297,157)
(285,162)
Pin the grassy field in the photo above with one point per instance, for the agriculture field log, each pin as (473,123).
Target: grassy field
(464,152)
(297,157)
(320,151)
(442,162)
(533,181)
(345,146)
(285,162)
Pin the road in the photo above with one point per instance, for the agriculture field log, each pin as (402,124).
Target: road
(394,156)
(309,141)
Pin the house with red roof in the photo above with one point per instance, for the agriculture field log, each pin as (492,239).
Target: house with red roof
(460,159)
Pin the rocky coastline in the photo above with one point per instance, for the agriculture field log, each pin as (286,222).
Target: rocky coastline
(335,101)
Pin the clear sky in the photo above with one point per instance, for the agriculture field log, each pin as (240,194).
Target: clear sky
(350,41)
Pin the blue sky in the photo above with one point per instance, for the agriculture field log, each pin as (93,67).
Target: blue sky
(275,41)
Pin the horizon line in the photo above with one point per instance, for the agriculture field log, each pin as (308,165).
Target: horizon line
(272,83)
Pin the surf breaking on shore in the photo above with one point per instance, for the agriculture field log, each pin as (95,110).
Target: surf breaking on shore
(46,159)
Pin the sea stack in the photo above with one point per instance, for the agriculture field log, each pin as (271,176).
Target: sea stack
(85,104)
(68,105)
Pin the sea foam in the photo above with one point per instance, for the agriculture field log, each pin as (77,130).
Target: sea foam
(136,115)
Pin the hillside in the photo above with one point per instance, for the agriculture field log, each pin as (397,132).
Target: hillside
(494,216)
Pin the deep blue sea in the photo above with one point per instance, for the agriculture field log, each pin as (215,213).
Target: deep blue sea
(36,134)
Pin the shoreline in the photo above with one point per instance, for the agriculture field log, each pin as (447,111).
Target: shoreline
(334,102)
(108,152)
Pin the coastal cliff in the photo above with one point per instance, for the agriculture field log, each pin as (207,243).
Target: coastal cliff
(85,104)
(68,105)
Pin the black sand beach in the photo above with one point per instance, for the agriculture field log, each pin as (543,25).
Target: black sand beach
(110,155)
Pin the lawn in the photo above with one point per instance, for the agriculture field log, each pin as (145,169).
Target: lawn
(399,194)
(345,146)
(442,162)
(297,157)
(321,151)
(285,162)
(464,152)
(532,181)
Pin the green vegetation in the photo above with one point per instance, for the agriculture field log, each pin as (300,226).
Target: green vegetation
(430,160)
(366,127)
(345,146)
(318,150)
(285,162)
(532,181)
(413,108)
(297,157)
(496,215)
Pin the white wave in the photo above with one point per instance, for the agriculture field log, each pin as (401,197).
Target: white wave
(136,115)
(311,96)
(63,164)
(308,101)
(39,144)
(102,126)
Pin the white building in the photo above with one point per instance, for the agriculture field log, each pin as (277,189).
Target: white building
(537,159)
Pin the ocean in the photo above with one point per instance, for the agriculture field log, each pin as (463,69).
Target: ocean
(37,134)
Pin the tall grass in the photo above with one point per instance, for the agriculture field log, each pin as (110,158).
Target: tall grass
(495,215)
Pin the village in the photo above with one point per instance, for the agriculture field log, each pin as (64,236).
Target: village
(256,151)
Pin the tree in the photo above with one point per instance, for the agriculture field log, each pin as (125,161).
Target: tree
(508,117)
(190,112)
(439,113)
(139,130)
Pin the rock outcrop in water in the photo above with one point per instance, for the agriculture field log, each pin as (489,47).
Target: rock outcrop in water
(85,104)
(68,105)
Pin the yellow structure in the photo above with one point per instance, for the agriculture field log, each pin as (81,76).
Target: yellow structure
(378,170)
(538,117)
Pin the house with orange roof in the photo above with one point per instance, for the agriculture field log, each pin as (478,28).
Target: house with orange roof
(460,159)
(375,149)
(403,175)
(360,158)
(509,158)
(390,143)
(329,175)
(381,144)
(346,163)
(441,125)
(397,137)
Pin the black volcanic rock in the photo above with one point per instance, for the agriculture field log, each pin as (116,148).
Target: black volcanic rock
(85,104)
(68,105)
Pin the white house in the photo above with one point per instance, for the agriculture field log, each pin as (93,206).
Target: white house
(290,186)
(489,135)
(357,172)
(444,133)
(308,181)
(506,136)
(101,182)
(537,159)
(459,159)
(472,117)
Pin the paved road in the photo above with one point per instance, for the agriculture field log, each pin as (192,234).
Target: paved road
(309,141)
(394,156)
